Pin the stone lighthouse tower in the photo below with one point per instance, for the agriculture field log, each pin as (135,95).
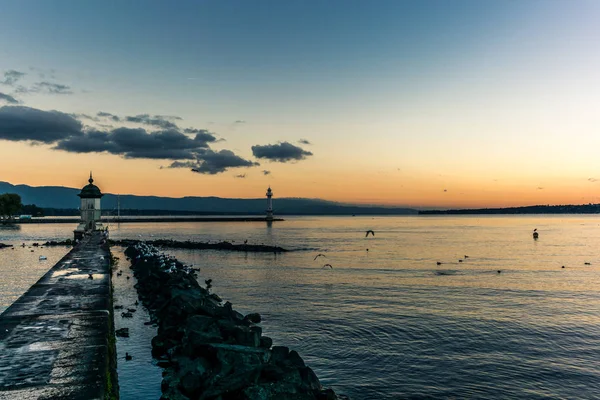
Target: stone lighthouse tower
(269,204)
(90,209)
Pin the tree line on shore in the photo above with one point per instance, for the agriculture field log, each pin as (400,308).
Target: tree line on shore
(10,206)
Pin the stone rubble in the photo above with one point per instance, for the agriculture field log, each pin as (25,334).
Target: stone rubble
(207,349)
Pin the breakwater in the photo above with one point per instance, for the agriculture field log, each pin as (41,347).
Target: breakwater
(207,349)
(56,340)
(74,220)
(188,244)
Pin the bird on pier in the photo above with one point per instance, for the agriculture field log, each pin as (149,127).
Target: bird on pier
(460,260)
(90,276)
(319,255)
(246,241)
(371,232)
(535,234)
(466,256)
(328,265)
(439,263)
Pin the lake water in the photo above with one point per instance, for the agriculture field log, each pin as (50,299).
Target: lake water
(389,323)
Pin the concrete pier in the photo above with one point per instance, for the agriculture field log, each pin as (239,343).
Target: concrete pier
(56,340)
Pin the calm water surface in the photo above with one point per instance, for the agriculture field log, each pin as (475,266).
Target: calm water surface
(389,322)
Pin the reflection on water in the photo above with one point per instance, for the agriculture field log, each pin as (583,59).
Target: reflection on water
(391,323)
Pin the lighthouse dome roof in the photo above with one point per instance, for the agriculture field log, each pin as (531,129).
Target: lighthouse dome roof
(90,191)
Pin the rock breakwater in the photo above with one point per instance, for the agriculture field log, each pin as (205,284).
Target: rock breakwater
(207,349)
(175,244)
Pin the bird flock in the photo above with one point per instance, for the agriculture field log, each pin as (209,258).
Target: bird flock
(459,261)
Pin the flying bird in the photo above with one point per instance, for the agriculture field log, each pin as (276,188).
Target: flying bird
(371,232)
(328,265)
(319,255)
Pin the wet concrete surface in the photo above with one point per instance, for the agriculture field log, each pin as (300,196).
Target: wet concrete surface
(54,338)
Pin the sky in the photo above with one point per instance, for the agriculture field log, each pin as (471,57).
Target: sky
(410,103)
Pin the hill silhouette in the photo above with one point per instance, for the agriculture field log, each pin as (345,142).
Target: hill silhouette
(64,198)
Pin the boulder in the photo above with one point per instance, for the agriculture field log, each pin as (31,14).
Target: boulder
(255,318)
(266,342)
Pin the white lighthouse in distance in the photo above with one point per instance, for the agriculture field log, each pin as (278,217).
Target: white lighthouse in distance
(269,204)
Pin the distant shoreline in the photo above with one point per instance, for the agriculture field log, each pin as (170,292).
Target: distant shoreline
(75,220)
(527,210)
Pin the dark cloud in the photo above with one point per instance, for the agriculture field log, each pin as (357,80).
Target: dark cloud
(90,142)
(282,152)
(304,141)
(19,123)
(67,133)
(266,172)
(240,121)
(136,143)
(103,114)
(203,135)
(240,176)
(11,77)
(8,98)
(182,164)
(212,162)
(159,121)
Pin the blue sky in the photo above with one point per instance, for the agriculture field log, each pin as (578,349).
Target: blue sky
(470,90)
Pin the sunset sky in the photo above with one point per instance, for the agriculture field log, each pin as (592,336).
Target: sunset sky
(413,103)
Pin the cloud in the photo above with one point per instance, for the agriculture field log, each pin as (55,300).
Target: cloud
(282,152)
(182,164)
(240,121)
(103,114)
(592,179)
(51,88)
(136,143)
(45,87)
(19,123)
(11,77)
(240,176)
(266,172)
(67,133)
(211,162)
(8,98)
(304,141)
(156,120)
(540,188)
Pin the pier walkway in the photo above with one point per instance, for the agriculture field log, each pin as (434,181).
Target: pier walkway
(54,340)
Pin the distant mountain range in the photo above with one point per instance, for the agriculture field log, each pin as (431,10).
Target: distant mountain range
(60,198)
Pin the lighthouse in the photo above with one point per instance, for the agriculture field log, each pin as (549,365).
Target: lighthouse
(90,209)
(269,204)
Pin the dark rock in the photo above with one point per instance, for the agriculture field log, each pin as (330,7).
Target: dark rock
(118,307)
(266,342)
(255,318)
(327,394)
(279,354)
(191,384)
(309,379)
(3,246)
(207,349)
(294,359)
(123,332)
